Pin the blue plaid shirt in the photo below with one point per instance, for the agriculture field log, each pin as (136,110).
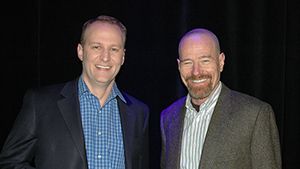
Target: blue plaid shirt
(102,129)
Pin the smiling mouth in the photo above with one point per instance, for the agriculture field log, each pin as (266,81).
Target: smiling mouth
(199,80)
(103,67)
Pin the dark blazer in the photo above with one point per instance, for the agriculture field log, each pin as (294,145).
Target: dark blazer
(48,131)
(242,134)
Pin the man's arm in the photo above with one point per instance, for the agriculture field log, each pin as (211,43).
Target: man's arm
(146,141)
(265,146)
(163,144)
(20,146)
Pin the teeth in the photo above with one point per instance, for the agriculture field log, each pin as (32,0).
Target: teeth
(103,67)
(199,81)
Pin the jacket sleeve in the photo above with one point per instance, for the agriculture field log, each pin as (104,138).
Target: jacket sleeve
(145,162)
(20,146)
(163,144)
(265,149)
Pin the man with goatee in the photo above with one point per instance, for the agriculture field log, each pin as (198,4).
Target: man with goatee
(213,126)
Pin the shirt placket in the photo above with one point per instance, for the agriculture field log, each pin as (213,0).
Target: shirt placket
(100,135)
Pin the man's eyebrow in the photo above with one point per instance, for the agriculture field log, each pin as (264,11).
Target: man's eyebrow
(199,57)
(99,43)
(205,56)
(185,60)
(93,43)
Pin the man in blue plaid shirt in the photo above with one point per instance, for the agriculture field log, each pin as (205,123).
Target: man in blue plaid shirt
(87,122)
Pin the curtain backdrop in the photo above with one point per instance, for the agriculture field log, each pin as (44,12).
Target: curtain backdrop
(260,39)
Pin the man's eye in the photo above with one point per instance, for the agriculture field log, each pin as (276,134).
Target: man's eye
(114,49)
(186,63)
(96,47)
(205,61)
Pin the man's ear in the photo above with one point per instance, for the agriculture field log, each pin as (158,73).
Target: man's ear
(222,61)
(123,57)
(80,51)
(178,62)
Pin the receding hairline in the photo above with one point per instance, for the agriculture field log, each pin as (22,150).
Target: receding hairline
(106,20)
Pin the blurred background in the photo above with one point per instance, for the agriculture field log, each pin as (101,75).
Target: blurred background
(260,39)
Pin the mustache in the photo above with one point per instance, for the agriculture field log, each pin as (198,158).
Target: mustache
(193,77)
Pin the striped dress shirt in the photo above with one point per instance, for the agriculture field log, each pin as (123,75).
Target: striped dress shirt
(102,129)
(195,129)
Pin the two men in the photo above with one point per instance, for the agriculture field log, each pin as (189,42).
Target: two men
(89,123)
(213,126)
(85,123)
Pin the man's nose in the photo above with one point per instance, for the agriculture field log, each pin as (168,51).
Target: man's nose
(105,55)
(196,69)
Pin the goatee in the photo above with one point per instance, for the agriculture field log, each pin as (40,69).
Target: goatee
(202,91)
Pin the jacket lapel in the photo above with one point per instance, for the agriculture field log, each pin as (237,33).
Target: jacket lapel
(70,110)
(174,135)
(128,117)
(219,128)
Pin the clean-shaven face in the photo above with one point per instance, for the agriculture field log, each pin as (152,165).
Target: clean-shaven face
(102,55)
(200,65)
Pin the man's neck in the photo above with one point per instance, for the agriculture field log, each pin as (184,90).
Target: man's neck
(102,92)
(196,107)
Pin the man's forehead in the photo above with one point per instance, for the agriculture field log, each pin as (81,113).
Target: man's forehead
(196,41)
(98,24)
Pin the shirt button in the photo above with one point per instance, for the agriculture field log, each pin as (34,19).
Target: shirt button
(99,111)
(99,133)
(194,145)
(99,156)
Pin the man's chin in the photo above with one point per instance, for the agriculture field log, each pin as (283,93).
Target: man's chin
(200,92)
(199,95)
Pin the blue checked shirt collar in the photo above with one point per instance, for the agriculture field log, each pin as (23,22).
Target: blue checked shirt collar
(82,88)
